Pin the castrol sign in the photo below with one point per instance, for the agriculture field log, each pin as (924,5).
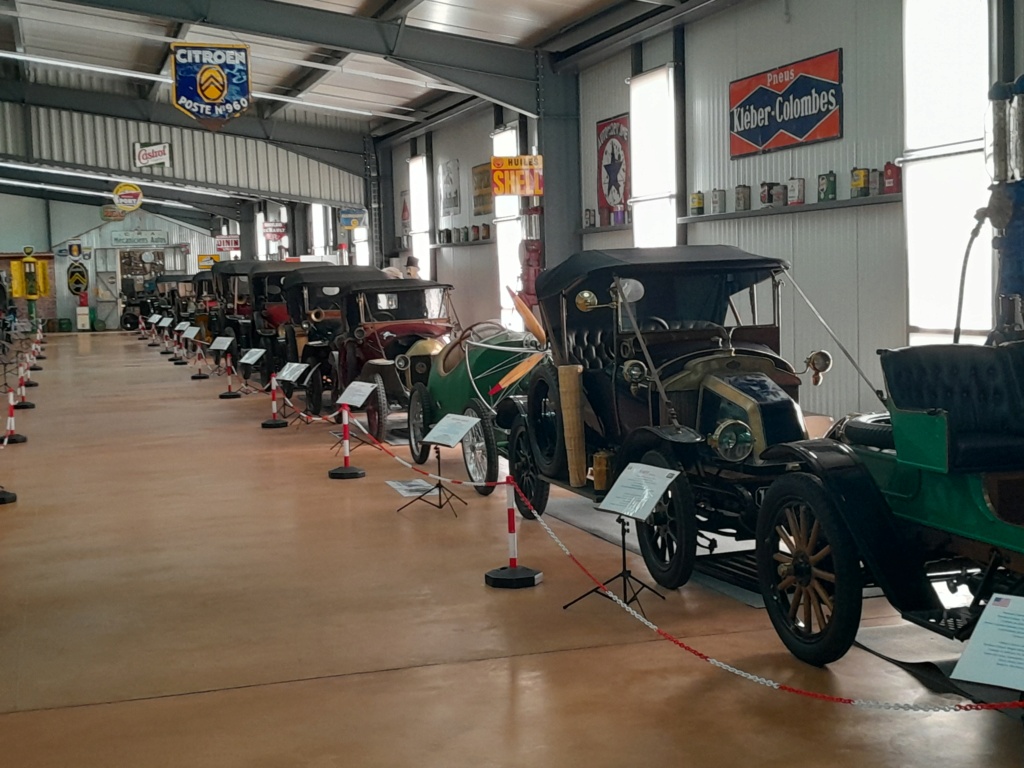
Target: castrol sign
(150,155)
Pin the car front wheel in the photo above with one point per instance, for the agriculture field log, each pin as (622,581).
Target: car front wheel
(421,408)
(480,448)
(809,570)
(525,473)
(668,538)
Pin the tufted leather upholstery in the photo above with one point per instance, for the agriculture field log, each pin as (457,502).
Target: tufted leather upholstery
(647,324)
(980,388)
(592,347)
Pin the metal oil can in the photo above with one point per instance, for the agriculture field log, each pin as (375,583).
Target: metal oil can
(874,182)
(892,181)
(602,467)
(697,204)
(796,189)
(827,187)
(718,201)
(859,183)
(742,199)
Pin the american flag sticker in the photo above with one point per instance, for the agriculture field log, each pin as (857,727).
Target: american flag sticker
(1000,602)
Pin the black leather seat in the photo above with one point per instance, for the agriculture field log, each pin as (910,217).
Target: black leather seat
(980,388)
(591,347)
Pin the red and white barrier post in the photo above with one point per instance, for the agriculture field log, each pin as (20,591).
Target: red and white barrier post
(168,343)
(513,575)
(275,421)
(200,361)
(231,394)
(179,350)
(10,436)
(38,346)
(22,403)
(346,471)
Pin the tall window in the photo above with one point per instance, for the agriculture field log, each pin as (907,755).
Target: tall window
(419,211)
(508,231)
(652,146)
(945,180)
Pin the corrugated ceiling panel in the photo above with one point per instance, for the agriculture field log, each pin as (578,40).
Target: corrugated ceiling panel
(230,163)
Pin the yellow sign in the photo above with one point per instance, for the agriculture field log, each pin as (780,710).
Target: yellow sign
(207,260)
(522,175)
(127,197)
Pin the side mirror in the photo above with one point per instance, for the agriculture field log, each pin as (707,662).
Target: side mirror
(631,290)
(821,363)
(586,301)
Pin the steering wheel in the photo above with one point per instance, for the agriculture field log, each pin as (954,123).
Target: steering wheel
(657,321)
(384,317)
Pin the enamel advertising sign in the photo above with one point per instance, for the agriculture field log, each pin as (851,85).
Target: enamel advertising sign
(211,82)
(796,104)
(612,163)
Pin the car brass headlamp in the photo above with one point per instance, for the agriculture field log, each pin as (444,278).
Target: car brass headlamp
(402,362)
(634,371)
(359,333)
(732,440)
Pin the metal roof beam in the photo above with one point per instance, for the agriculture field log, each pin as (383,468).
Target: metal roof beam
(504,74)
(19,38)
(340,149)
(180,32)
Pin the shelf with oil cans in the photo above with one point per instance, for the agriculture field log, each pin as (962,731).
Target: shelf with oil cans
(830,205)
(606,228)
(463,243)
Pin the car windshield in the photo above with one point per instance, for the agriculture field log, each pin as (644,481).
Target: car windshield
(428,304)
(684,301)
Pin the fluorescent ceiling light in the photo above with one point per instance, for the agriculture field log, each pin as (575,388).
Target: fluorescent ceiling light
(85,192)
(145,182)
(132,74)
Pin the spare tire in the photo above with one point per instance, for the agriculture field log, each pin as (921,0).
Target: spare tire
(544,421)
(873,430)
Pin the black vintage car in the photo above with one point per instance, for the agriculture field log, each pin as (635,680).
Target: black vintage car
(355,322)
(665,357)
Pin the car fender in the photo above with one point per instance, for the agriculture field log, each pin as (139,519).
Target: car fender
(683,441)
(895,562)
(508,409)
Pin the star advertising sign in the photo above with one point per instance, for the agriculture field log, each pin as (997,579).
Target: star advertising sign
(612,162)
(796,104)
(211,82)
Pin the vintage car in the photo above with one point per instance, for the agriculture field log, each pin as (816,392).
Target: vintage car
(206,302)
(357,322)
(666,357)
(464,378)
(173,295)
(930,490)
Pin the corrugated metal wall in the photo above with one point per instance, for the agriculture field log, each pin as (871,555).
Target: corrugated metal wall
(202,158)
(852,262)
(12,133)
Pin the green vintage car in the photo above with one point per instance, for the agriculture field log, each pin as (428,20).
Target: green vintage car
(931,490)
(465,377)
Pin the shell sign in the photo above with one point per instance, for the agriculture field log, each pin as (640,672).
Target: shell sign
(127,197)
(522,175)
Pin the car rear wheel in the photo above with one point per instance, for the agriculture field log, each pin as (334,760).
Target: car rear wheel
(480,448)
(525,473)
(809,570)
(544,412)
(668,539)
(314,391)
(377,409)
(421,414)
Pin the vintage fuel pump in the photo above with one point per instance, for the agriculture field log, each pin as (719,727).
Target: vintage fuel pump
(531,258)
(29,281)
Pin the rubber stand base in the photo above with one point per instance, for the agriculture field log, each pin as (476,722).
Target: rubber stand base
(7,497)
(35,367)
(31,383)
(40,357)
(346,473)
(165,351)
(519,577)
(25,406)
(180,362)
(16,439)
(200,376)
(274,424)
(153,344)
(229,395)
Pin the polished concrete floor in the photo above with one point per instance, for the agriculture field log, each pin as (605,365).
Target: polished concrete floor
(179,587)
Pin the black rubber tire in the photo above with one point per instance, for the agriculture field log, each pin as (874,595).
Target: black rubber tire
(377,409)
(484,432)
(525,474)
(267,361)
(129,321)
(801,501)
(336,388)
(544,414)
(420,420)
(313,392)
(668,539)
(873,430)
(232,350)
(348,362)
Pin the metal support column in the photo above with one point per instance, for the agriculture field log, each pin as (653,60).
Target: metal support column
(247,230)
(679,83)
(298,228)
(558,133)
(384,231)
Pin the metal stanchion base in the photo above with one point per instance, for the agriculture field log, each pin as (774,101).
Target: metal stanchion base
(200,376)
(274,424)
(153,344)
(25,406)
(519,577)
(30,384)
(40,357)
(165,351)
(346,473)
(229,395)
(8,497)
(180,362)
(16,439)
(35,367)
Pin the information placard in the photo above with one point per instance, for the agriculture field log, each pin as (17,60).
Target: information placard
(166,322)
(292,372)
(222,343)
(355,394)
(995,652)
(181,326)
(637,490)
(450,430)
(252,356)
(154,319)
(410,488)
(191,332)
